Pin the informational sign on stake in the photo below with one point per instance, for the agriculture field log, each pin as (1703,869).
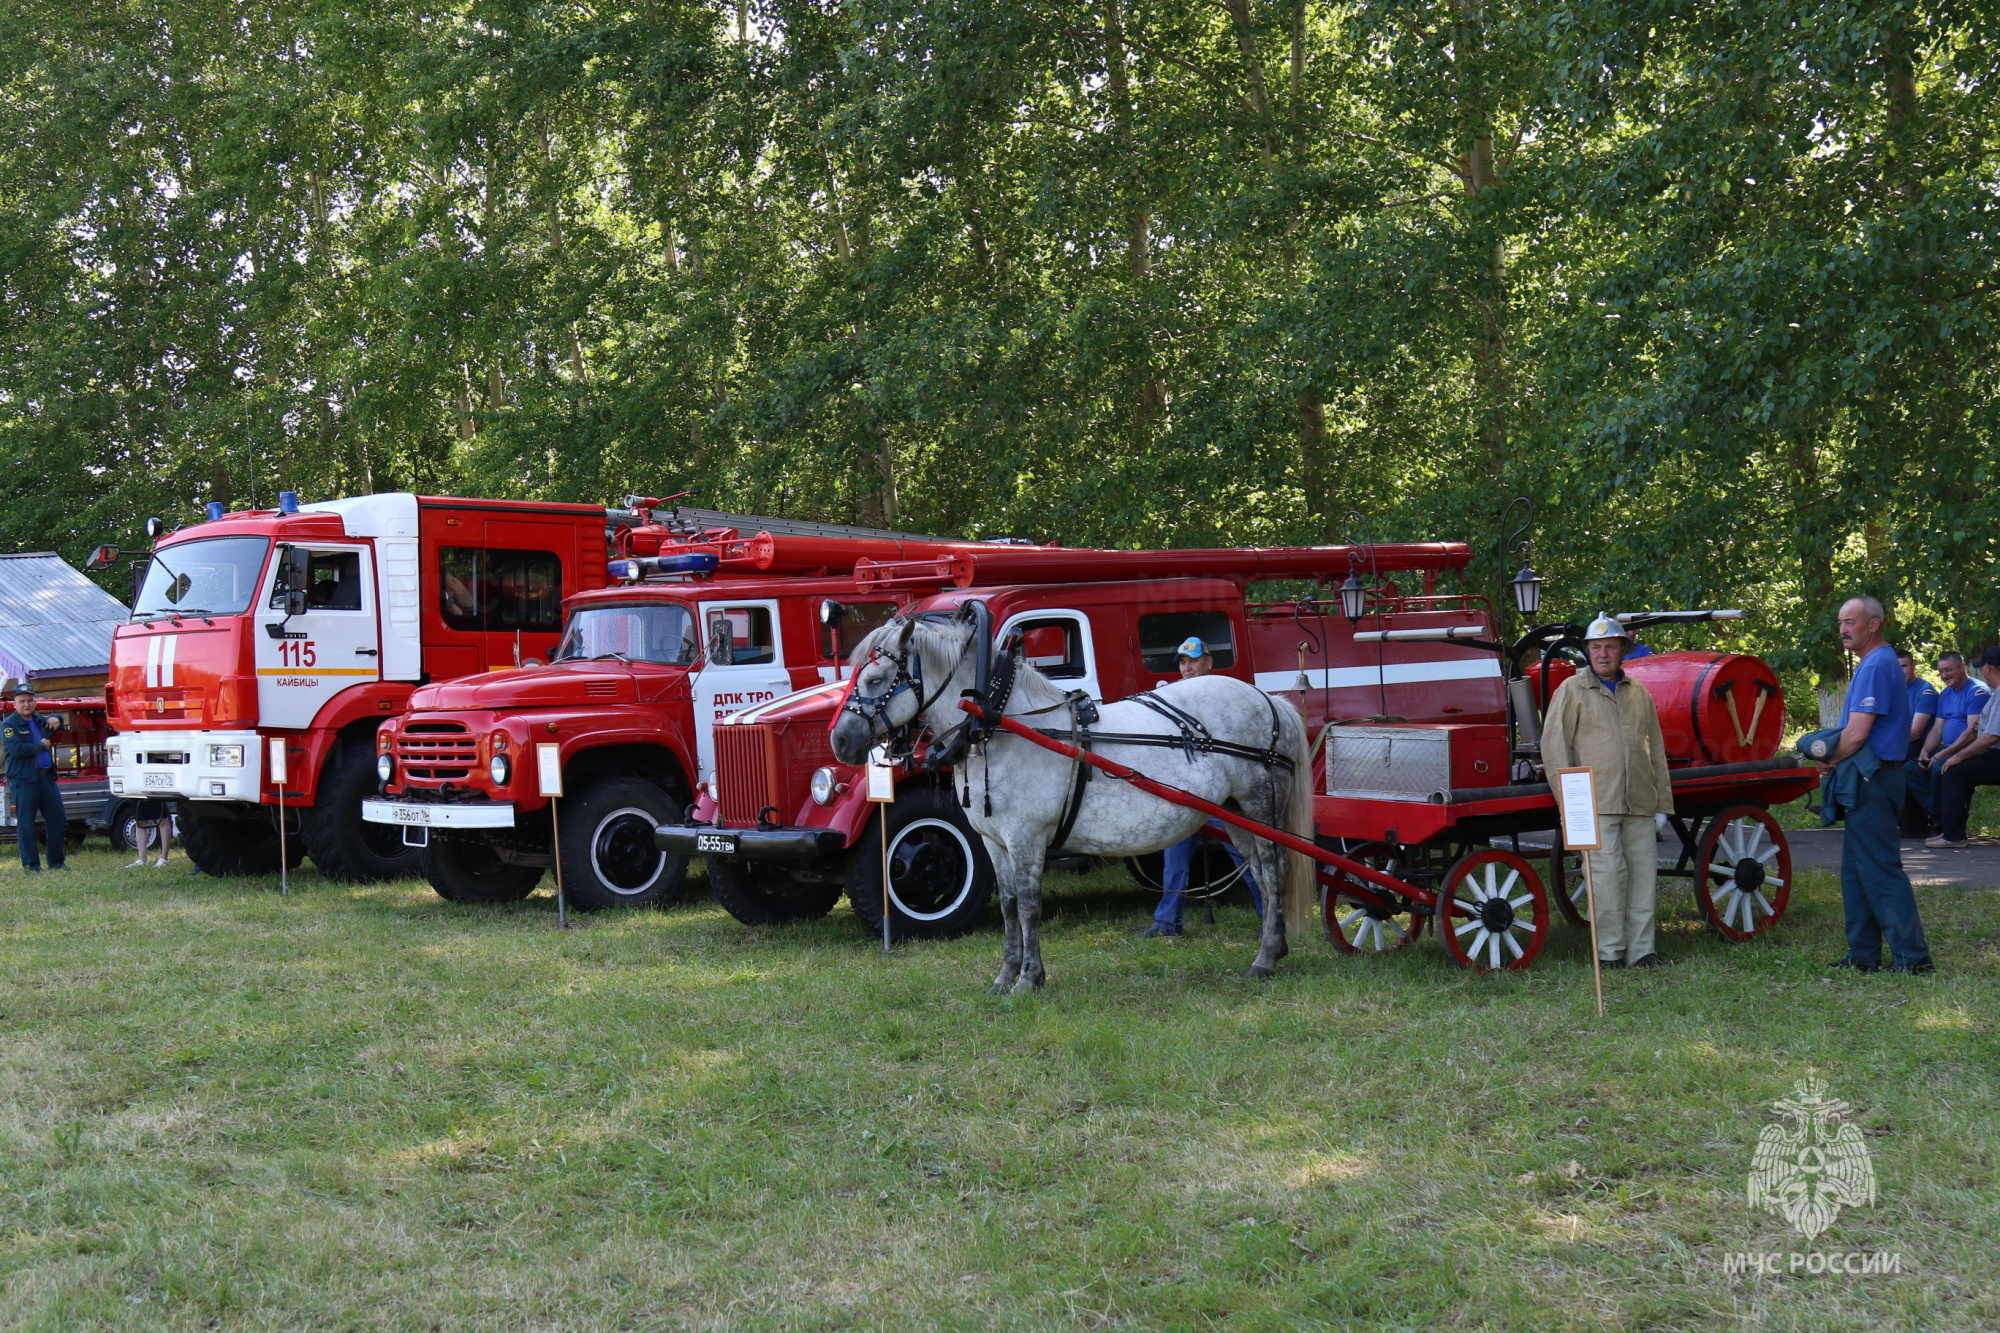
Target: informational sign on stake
(1576,797)
(278,780)
(548,775)
(882,792)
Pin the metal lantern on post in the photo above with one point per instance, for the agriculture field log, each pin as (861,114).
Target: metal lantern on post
(1353,597)
(1527,586)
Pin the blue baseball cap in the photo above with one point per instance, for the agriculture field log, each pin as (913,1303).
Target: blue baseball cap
(1191,647)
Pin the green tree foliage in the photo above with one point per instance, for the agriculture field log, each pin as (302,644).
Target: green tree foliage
(1711,283)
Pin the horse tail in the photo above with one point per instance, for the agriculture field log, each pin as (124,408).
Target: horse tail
(1301,878)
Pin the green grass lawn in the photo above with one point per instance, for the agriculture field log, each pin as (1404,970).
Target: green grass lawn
(363,1108)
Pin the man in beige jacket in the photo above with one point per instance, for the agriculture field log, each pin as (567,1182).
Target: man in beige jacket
(1602,720)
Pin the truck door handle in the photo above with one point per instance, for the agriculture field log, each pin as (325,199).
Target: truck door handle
(364,652)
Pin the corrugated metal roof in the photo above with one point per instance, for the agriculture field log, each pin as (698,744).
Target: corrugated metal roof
(52,617)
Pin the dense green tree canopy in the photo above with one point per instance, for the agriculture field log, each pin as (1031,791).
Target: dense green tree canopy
(1713,284)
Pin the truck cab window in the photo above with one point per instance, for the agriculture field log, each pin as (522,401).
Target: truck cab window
(1160,634)
(333,581)
(209,576)
(741,636)
(658,633)
(500,590)
(1054,646)
(857,621)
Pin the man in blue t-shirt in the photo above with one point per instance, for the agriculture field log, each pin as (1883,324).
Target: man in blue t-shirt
(1874,888)
(1970,763)
(1961,697)
(1916,812)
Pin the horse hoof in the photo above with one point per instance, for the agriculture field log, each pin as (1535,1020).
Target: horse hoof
(1259,972)
(998,988)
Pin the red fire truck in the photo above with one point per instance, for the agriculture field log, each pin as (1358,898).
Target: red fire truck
(314,623)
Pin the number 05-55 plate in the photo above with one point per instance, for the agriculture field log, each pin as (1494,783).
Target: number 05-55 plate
(715,844)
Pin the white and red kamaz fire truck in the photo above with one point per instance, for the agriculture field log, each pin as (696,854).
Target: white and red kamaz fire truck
(314,623)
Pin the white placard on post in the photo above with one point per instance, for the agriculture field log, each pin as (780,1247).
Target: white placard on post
(882,791)
(1576,792)
(881,782)
(1576,795)
(284,851)
(548,769)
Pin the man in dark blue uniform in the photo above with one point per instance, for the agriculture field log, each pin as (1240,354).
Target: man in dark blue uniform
(31,781)
(1875,732)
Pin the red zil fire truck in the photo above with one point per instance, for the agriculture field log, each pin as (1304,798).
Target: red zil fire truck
(314,623)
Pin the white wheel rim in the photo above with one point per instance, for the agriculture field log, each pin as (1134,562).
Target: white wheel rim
(1487,941)
(1743,839)
(1367,933)
(597,867)
(965,883)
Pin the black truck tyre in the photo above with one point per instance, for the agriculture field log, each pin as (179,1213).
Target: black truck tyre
(766,893)
(465,868)
(118,826)
(939,876)
(609,858)
(221,844)
(342,844)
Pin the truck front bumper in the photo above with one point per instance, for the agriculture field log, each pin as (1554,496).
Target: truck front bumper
(752,844)
(439,814)
(153,765)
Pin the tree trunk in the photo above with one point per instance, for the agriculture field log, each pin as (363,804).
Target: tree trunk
(1813,542)
(1149,406)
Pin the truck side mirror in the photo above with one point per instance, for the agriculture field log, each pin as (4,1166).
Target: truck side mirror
(102,557)
(295,602)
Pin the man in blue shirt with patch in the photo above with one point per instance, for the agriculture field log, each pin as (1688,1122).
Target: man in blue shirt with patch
(31,782)
(1917,809)
(1874,888)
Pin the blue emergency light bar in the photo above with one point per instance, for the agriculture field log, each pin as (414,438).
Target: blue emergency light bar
(638,567)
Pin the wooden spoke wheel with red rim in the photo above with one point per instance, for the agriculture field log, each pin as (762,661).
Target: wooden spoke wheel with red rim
(1492,913)
(1743,872)
(1566,885)
(1355,925)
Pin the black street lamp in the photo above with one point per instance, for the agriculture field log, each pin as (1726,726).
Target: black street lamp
(1527,586)
(1353,597)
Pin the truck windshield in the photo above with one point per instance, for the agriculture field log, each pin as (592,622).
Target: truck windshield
(216,576)
(660,632)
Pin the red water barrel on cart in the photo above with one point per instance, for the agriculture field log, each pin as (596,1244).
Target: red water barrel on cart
(1715,708)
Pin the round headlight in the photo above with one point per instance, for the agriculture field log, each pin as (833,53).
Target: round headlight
(822,786)
(385,766)
(499,770)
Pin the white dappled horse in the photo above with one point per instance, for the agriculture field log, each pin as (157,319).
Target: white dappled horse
(1213,736)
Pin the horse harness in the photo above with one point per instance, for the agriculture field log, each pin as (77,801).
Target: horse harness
(874,708)
(1193,738)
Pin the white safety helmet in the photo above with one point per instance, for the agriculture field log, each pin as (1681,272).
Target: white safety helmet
(1604,627)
